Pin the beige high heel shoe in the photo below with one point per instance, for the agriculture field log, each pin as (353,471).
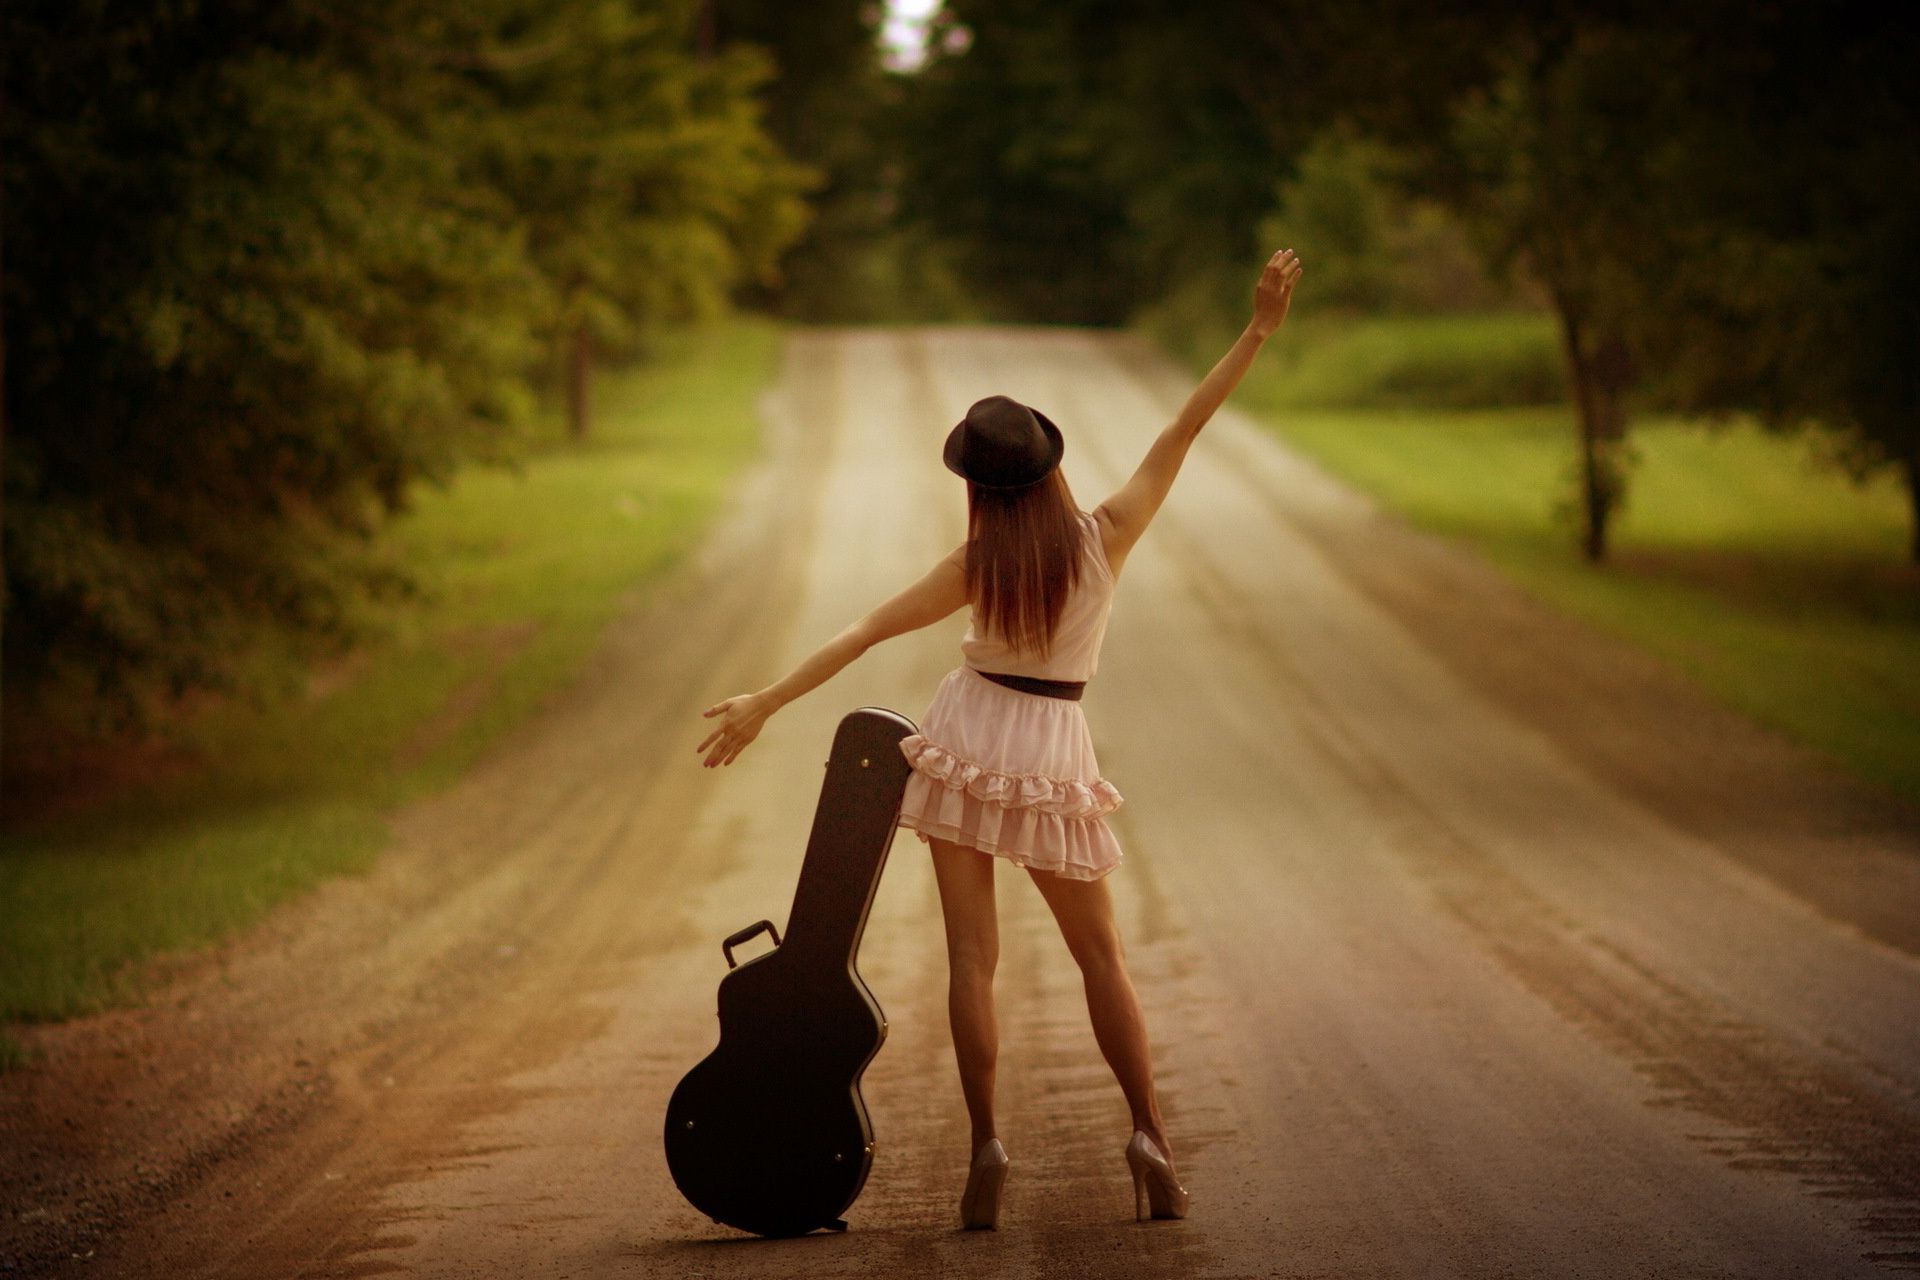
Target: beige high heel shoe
(1154,1186)
(980,1206)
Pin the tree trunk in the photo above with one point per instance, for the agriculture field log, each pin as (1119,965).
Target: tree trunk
(6,592)
(580,384)
(1601,372)
(703,31)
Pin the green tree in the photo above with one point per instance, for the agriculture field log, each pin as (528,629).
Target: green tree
(1721,203)
(1001,158)
(245,305)
(1557,153)
(1717,200)
(827,106)
(1090,156)
(1377,245)
(646,185)
(266,270)
(1784,280)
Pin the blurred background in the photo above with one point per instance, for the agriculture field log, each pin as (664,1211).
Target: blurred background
(361,361)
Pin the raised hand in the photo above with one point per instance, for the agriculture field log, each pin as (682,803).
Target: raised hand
(1274,293)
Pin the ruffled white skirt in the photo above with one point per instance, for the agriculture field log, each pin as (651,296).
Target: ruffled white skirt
(1012,774)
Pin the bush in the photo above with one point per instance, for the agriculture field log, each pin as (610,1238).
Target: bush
(1370,244)
(1426,362)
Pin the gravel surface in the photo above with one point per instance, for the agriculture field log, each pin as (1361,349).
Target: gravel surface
(1471,942)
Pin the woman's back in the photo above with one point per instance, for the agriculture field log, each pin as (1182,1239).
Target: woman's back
(1075,651)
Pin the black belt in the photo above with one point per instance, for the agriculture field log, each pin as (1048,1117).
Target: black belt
(1068,689)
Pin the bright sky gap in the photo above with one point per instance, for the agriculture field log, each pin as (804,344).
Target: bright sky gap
(903,34)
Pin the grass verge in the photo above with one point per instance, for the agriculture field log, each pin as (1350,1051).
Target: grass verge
(1772,580)
(1325,360)
(521,571)
(1453,361)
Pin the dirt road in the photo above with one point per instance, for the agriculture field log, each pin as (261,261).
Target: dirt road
(1471,943)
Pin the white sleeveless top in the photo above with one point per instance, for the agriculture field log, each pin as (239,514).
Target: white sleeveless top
(1083,624)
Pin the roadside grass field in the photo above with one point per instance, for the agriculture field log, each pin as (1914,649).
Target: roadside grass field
(1767,576)
(521,574)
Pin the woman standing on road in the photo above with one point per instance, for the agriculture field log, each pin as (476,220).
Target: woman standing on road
(1004,765)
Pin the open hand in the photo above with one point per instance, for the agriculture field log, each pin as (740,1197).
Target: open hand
(1274,293)
(743,715)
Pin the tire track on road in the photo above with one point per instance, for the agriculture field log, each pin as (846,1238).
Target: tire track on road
(1785,1110)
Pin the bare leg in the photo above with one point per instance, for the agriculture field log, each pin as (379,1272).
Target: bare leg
(1084,911)
(965,876)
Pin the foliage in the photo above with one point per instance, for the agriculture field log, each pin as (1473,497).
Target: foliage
(1090,157)
(1446,361)
(1338,201)
(240,807)
(1717,201)
(1037,141)
(1737,238)
(1557,152)
(1785,280)
(642,179)
(270,264)
(1377,245)
(995,161)
(827,105)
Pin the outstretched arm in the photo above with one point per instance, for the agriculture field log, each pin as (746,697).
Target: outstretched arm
(1132,507)
(937,595)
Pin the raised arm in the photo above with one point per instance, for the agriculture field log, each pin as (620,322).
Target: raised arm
(937,595)
(1131,509)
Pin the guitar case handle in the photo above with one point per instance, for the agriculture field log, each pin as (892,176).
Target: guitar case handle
(760,926)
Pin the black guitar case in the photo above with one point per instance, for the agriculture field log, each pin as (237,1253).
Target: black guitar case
(769,1132)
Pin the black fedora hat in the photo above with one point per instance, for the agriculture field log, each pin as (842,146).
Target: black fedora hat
(1003,444)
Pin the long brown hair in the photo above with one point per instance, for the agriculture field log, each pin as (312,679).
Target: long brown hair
(1023,558)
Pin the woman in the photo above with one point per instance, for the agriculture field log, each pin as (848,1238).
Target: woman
(1004,765)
